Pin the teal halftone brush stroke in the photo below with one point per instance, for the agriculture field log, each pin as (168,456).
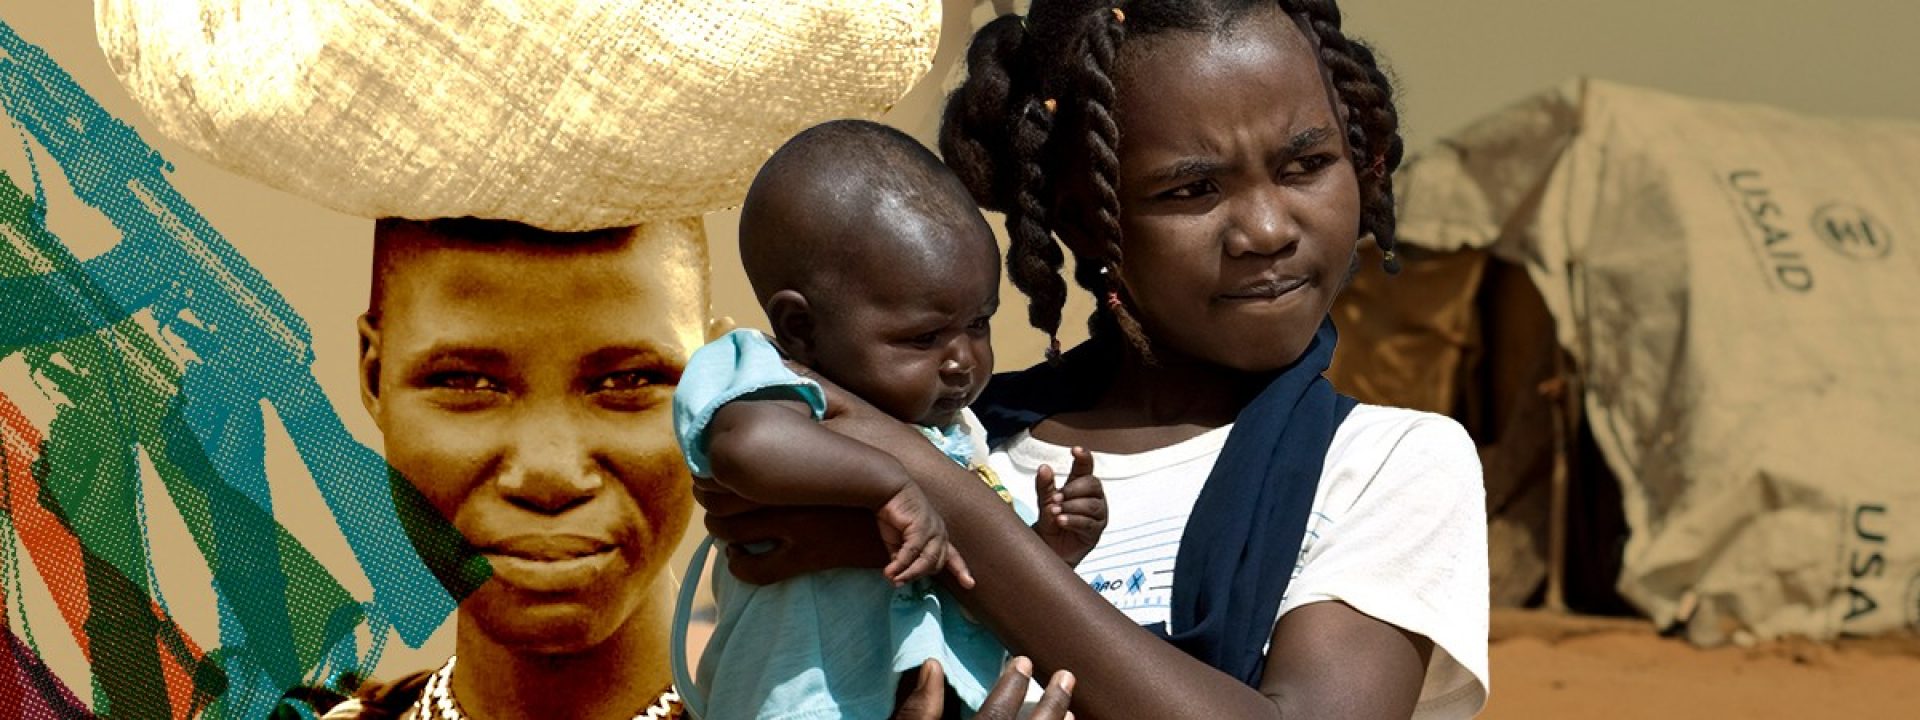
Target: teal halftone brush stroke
(88,472)
(194,407)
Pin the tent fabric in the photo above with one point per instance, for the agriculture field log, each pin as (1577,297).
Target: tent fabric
(1735,286)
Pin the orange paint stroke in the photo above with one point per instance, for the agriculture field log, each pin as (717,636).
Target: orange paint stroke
(57,550)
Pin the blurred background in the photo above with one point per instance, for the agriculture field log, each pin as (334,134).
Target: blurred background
(1491,310)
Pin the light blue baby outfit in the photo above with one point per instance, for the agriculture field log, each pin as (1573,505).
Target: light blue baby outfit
(815,646)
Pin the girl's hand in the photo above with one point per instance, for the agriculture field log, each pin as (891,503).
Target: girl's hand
(1003,701)
(803,539)
(1072,516)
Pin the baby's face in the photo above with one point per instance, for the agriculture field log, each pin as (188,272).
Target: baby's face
(912,335)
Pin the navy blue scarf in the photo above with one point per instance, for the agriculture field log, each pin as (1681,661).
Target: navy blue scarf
(1237,554)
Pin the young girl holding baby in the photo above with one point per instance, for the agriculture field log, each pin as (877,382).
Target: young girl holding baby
(1211,165)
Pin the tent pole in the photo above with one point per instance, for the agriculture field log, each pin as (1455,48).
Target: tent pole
(1558,392)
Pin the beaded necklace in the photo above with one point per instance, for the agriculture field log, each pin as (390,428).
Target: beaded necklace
(437,702)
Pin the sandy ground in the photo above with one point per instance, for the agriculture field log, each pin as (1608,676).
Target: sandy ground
(1575,668)
(1548,666)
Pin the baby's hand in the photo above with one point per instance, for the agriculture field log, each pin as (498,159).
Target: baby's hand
(916,539)
(1071,516)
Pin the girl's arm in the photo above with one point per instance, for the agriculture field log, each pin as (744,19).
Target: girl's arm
(1329,661)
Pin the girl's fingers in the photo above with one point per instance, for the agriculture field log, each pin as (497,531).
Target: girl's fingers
(747,525)
(1004,700)
(720,502)
(1053,703)
(774,544)
(757,569)
(929,697)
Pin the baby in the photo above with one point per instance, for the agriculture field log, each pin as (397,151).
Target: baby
(878,273)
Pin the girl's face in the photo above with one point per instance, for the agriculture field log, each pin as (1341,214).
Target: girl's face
(528,395)
(1239,208)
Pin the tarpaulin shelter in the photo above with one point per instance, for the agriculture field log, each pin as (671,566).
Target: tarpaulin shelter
(1714,305)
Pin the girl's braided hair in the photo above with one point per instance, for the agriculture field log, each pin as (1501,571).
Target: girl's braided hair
(1040,93)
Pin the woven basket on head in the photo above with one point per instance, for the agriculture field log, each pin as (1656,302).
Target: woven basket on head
(565,114)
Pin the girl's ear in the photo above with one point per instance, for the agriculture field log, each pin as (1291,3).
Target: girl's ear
(791,317)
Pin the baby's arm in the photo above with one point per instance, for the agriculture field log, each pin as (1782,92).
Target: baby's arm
(1071,516)
(793,460)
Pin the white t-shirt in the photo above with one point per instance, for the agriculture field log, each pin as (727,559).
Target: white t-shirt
(1398,532)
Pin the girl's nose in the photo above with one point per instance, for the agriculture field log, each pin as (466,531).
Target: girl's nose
(1263,224)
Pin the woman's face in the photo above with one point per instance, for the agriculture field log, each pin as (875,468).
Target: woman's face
(1239,208)
(527,393)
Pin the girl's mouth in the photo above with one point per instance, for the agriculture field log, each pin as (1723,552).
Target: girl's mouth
(1267,287)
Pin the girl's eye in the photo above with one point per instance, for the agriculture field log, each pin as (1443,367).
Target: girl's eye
(924,340)
(1190,190)
(1309,164)
(981,323)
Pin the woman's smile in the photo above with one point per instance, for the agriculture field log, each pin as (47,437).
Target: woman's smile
(546,567)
